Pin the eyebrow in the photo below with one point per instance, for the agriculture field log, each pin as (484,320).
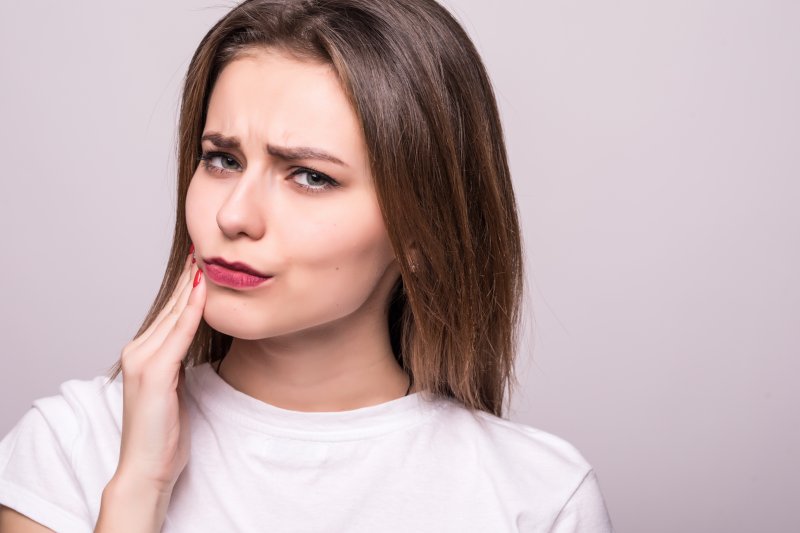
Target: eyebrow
(293,153)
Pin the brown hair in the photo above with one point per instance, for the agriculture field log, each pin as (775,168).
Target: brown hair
(438,158)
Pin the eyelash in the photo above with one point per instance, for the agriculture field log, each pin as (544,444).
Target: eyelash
(330,183)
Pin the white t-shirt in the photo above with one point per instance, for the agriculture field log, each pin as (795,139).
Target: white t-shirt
(414,464)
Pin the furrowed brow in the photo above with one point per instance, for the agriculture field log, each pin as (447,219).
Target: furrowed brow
(297,153)
(287,153)
(221,141)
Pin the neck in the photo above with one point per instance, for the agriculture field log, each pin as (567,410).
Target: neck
(330,370)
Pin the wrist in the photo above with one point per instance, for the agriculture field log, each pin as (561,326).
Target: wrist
(127,481)
(132,505)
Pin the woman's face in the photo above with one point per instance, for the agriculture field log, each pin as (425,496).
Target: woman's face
(324,244)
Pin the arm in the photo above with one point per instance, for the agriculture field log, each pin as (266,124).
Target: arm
(124,508)
(154,447)
(14,522)
(128,507)
(38,481)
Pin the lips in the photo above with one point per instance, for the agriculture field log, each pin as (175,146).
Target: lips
(236,265)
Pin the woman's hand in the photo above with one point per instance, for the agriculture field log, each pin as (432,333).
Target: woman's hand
(155,428)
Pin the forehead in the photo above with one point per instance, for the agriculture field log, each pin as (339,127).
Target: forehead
(269,96)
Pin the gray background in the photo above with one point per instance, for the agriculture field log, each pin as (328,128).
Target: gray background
(654,147)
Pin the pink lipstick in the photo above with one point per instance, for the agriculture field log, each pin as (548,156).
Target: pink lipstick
(236,275)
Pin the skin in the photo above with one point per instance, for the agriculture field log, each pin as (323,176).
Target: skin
(13,522)
(315,337)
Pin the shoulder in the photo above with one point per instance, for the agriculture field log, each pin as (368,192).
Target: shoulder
(59,455)
(543,478)
(80,405)
(518,444)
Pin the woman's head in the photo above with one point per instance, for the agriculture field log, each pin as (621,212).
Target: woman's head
(313,223)
(426,161)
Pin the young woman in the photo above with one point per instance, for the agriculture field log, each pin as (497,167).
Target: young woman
(334,336)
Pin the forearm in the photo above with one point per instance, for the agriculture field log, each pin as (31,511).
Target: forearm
(130,507)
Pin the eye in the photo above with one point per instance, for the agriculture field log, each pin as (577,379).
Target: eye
(207,157)
(313,181)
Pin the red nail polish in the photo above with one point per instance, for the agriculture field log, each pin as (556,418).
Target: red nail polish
(197,278)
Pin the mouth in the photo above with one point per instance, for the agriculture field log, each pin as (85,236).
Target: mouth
(235,275)
(236,266)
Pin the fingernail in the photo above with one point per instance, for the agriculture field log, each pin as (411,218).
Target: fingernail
(197,278)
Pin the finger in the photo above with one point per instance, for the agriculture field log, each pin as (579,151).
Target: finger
(180,285)
(167,307)
(141,350)
(165,368)
(180,337)
(178,289)
(157,339)
(187,291)
(149,356)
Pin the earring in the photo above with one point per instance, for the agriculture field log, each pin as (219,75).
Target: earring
(191,250)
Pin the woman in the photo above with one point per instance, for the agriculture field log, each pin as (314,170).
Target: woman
(333,338)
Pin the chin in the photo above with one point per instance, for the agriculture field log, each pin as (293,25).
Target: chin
(248,323)
(234,322)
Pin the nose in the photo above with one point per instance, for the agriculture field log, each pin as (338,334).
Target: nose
(242,213)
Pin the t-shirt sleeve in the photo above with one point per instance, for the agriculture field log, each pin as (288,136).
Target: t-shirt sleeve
(37,475)
(585,511)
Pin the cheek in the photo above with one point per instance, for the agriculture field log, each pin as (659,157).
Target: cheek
(199,207)
(348,240)
(335,264)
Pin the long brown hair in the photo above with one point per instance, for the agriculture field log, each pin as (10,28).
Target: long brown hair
(438,158)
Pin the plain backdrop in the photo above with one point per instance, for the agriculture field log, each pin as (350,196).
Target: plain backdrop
(655,153)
